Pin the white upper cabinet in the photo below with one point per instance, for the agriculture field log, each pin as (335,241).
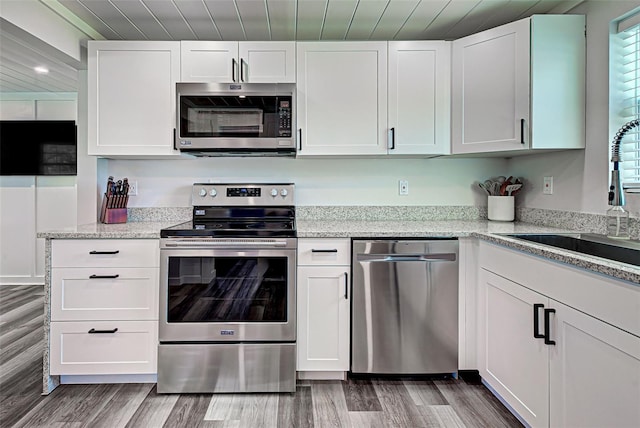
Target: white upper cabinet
(520,86)
(249,62)
(419,97)
(132,97)
(342,98)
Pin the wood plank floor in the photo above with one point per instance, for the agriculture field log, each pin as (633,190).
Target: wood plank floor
(353,403)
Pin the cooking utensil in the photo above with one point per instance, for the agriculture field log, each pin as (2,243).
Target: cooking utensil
(484,188)
(512,188)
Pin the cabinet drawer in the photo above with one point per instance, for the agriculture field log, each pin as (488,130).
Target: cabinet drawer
(131,349)
(104,294)
(324,252)
(105,253)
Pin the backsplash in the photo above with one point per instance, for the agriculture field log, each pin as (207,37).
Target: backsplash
(584,222)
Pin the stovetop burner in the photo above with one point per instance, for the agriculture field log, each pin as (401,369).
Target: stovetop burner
(239,210)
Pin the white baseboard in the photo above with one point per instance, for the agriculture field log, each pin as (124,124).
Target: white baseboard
(94,379)
(322,375)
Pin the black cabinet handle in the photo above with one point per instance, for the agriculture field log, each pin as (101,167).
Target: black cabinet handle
(346,285)
(104,252)
(300,139)
(242,65)
(233,69)
(521,131)
(175,147)
(104,276)
(536,319)
(393,138)
(547,327)
(333,250)
(94,331)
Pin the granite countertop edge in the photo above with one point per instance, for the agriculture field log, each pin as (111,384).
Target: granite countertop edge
(482,229)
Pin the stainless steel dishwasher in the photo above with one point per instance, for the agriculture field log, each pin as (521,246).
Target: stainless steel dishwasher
(404,306)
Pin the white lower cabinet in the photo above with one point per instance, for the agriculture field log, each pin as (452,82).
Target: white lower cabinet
(104,347)
(104,306)
(555,365)
(594,372)
(323,299)
(511,360)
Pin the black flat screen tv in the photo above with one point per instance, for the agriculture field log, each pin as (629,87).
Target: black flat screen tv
(38,147)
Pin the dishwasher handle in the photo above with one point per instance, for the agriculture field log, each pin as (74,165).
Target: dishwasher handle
(393,258)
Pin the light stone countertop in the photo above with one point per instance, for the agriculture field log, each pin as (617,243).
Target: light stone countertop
(483,229)
(130,230)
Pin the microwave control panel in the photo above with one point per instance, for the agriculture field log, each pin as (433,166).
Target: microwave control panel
(284,115)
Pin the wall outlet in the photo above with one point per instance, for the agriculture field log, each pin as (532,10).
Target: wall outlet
(403,187)
(133,188)
(547,186)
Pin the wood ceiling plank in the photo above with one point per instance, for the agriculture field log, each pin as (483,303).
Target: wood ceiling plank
(338,19)
(422,16)
(199,18)
(225,16)
(253,15)
(161,17)
(282,19)
(139,15)
(509,12)
(90,19)
(482,13)
(394,17)
(113,18)
(310,19)
(450,15)
(366,18)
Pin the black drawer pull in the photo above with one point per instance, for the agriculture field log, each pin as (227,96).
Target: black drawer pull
(104,276)
(94,331)
(313,250)
(536,309)
(104,252)
(547,327)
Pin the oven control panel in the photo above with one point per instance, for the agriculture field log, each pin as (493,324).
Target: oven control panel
(217,194)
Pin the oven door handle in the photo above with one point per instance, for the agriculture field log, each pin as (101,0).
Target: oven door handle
(227,244)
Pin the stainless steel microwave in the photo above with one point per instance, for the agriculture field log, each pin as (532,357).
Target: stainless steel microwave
(217,119)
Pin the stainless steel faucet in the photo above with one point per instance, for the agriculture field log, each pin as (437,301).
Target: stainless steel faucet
(616,193)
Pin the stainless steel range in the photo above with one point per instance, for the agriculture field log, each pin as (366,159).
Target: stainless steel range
(227,292)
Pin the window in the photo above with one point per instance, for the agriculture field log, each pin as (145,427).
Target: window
(626,87)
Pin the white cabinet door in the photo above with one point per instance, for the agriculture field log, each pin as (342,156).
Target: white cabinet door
(203,61)
(490,90)
(520,87)
(511,360)
(250,62)
(594,372)
(419,97)
(267,62)
(132,97)
(323,318)
(342,98)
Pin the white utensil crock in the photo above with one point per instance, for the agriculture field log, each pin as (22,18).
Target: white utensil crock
(501,208)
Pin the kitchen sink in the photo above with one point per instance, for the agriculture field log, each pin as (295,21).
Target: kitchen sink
(623,251)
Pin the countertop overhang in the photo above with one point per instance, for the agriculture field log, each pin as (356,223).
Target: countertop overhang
(491,231)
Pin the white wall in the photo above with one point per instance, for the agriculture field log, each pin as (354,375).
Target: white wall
(318,181)
(581,178)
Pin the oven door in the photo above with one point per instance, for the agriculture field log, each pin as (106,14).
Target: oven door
(227,294)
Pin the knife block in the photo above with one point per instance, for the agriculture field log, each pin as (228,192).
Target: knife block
(112,215)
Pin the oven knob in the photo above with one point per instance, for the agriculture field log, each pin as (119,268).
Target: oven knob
(203,192)
(274,192)
(284,192)
(213,193)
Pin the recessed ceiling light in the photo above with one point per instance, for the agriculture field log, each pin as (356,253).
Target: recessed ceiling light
(41,70)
